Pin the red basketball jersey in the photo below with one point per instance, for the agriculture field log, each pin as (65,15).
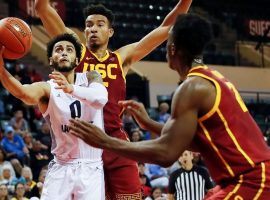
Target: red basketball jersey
(110,68)
(227,136)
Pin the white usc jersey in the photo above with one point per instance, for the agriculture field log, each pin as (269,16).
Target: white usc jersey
(61,108)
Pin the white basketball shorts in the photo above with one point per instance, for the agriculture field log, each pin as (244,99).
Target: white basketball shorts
(79,180)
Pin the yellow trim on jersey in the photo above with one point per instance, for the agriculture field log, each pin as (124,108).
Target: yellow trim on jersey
(198,67)
(234,139)
(83,53)
(262,183)
(103,58)
(216,149)
(235,189)
(120,63)
(217,100)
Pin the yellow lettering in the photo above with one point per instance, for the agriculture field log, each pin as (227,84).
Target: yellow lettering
(85,67)
(102,69)
(109,69)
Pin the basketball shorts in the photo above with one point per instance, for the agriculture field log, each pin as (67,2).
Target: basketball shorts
(79,180)
(121,174)
(254,184)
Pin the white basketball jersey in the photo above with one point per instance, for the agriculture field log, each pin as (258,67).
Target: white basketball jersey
(61,108)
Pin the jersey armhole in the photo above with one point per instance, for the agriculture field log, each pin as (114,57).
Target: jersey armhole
(218,96)
(120,63)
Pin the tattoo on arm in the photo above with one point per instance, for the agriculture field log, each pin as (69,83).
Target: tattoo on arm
(94,76)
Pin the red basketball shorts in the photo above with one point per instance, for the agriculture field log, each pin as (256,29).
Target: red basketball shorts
(121,174)
(254,185)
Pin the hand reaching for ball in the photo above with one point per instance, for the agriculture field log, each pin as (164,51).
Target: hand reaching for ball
(61,82)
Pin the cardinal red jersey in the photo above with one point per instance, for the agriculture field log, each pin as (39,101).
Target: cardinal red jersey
(110,68)
(227,136)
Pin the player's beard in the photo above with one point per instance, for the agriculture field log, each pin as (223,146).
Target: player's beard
(69,68)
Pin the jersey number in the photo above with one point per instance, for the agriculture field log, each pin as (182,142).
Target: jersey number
(232,87)
(75,109)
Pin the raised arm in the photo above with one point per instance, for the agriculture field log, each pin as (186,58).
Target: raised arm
(29,94)
(94,95)
(177,133)
(136,51)
(52,22)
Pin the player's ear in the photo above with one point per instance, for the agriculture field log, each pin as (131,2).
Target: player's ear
(77,61)
(172,49)
(111,32)
(50,61)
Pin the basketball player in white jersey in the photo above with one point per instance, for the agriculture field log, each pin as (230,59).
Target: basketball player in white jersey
(77,169)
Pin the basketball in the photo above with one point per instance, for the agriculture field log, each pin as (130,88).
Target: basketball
(16,36)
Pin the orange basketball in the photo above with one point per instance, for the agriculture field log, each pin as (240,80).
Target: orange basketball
(16,36)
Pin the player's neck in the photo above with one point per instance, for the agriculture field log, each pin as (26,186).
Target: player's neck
(70,76)
(100,52)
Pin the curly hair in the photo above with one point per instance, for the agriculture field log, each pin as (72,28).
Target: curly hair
(99,9)
(65,37)
(191,33)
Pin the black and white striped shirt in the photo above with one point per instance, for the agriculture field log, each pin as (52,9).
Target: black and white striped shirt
(189,185)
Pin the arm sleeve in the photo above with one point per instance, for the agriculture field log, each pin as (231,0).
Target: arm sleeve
(208,182)
(94,95)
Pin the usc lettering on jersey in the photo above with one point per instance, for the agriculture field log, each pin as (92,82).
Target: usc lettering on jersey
(110,68)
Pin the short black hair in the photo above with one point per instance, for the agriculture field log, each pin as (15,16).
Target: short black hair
(190,34)
(65,37)
(99,9)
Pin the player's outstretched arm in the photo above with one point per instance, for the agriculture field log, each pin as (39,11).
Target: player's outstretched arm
(95,95)
(176,137)
(136,51)
(137,110)
(52,22)
(29,94)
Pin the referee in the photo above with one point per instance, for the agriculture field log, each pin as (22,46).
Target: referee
(190,182)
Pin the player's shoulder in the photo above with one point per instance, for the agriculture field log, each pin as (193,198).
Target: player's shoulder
(192,90)
(201,170)
(177,172)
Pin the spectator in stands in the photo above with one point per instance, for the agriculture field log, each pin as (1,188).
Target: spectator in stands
(19,123)
(34,75)
(8,179)
(13,143)
(136,135)
(44,135)
(163,113)
(190,181)
(156,194)
(2,108)
(3,192)
(128,123)
(28,140)
(39,157)
(158,175)
(31,189)
(41,178)
(19,192)
(4,162)
(145,181)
